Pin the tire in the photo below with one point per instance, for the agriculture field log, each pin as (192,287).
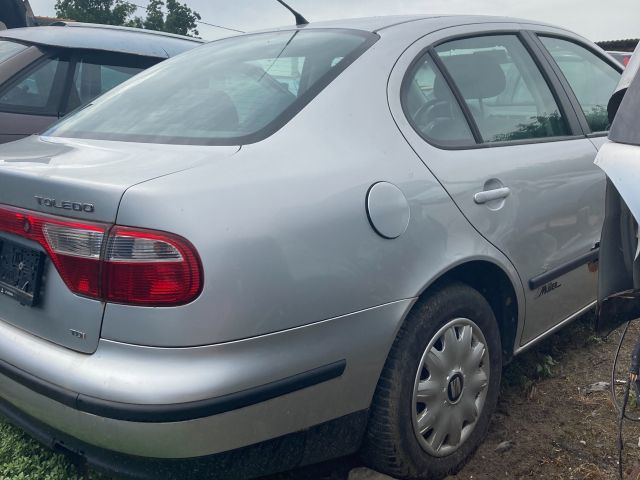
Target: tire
(392,445)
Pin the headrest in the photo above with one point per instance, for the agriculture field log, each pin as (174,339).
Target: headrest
(477,75)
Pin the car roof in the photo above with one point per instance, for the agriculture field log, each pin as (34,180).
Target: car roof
(375,24)
(133,41)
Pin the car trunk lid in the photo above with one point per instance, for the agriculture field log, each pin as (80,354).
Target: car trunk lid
(82,180)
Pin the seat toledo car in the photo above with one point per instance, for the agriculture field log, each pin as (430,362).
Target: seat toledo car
(46,72)
(292,245)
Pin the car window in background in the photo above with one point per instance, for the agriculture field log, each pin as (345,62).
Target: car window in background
(37,91)
(432,109)
(592,80)
(97,74)
(286,70)
(230,91)
(9,49)
(505,91)
(622,57)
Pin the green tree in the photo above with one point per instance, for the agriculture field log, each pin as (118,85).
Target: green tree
(110,12)
(155,17)
(179,18)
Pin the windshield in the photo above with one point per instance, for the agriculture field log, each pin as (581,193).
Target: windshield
(9,49)
(233,91)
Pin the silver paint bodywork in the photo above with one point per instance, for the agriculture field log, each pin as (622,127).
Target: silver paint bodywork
(133,41)
(295,275)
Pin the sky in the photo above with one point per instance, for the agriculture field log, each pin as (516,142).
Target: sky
(595,19)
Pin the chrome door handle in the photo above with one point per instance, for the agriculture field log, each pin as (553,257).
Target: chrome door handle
(490,195)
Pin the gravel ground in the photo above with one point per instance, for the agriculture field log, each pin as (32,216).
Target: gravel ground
(554,427)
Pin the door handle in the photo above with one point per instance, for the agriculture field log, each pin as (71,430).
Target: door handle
(490,195)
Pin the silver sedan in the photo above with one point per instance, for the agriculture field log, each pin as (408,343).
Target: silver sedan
(288,246)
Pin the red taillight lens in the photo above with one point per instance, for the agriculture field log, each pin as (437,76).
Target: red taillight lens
(150,268)
(114,264)
(74,248)
(626,59)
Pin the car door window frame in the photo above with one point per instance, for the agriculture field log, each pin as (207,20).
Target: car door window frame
(563,103)
(534,36)
(428,55)
(56,96)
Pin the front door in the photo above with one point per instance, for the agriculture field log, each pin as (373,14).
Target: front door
(504,141)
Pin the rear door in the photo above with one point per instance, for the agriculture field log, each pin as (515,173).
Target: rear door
(496,129)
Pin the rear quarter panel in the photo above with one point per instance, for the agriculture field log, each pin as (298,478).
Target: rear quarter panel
(282,228)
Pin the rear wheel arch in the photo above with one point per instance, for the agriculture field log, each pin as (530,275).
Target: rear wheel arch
(495,285)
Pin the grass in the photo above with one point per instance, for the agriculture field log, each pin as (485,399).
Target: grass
(22,458)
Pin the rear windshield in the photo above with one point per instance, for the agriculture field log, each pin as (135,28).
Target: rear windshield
(9,49)
(233,91)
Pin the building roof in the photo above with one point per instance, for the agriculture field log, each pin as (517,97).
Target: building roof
(133,41)
(627,45)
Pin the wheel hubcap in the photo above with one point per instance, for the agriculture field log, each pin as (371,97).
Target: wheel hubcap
(450,387)
(455,388)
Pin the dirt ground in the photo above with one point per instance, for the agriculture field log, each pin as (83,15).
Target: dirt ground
(556,427)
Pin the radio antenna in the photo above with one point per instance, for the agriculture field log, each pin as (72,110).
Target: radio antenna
(300,20)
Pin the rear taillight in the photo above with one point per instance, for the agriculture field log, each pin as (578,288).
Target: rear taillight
(150,268)
(625,60)
(113,263)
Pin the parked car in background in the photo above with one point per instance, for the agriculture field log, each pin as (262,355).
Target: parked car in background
(291,245)
(46,72)
(622,57)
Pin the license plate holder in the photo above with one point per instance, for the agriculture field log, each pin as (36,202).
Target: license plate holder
(20,272)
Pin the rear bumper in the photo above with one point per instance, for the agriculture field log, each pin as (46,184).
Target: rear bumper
(323,442)
(186,403)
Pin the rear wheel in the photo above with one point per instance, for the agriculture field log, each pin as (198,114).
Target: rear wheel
(438,389)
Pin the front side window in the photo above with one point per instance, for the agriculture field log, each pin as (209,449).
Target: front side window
(37,91)
(233,91)
(432,109)
(505,92)
(9,49)
(592,80)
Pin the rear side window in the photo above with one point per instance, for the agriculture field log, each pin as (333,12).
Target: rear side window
(9,49)
(37,91)
(96,74)
(592,80)
(431,107)
(232,91)
(504,91)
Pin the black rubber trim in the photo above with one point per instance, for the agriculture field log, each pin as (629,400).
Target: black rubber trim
(177,412)
(549,276)
(319,443)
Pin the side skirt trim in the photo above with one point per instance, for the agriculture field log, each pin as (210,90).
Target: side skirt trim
(550,275)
